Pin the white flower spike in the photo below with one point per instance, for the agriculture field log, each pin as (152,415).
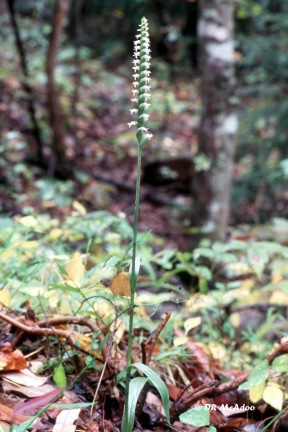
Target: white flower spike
(141,66)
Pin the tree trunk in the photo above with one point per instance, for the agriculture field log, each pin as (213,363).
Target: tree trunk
(218,124)
(54,106)
(26,85)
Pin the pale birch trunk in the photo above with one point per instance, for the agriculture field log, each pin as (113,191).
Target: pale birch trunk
(218,124)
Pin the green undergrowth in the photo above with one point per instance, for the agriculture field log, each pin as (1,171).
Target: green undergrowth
(38,252)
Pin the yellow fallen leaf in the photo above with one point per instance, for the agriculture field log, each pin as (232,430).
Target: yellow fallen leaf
(191,323)
(79,207)
(274,397)
(29,244)
(276,278)
(85,342)
(235,319)
(53,298)
(179,341)
(7,254)
(5,297)
(120,285)
(256,393)
(199,301)
(75,270)
(28,221)
(104,310)
(247,284)
(278,296)
(120,328)
(55,233)
(218,350)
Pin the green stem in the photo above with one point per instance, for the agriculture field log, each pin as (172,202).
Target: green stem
(133,282)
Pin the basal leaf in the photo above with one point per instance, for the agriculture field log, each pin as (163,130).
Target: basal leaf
(135,387)
(159,384)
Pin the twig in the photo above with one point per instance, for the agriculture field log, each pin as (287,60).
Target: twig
(143,349)
(214,388)
(160,327)
(147,342)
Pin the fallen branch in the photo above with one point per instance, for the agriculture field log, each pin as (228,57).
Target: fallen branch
(215,389)
(41,328)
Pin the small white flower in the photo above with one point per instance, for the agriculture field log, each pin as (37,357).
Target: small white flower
(146,72)
(148,136)
(138,36)
(135,68)
(146,65)
(145,116)
(145,104)
(136,61)
(143,129)
(134,100)
(136,84)
(145,87)
(134,92)
(146,51)
(136,54)
(134,123)
(145,79)
(147,57)
(145,95)
(134,110)
(135,76)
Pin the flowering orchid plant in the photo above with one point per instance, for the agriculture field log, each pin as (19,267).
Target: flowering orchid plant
(141,97)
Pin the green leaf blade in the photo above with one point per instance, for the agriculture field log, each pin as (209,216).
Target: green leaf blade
(135,387)
(159,384)
(59,376)
(198,416)
(280,364)
(258,376)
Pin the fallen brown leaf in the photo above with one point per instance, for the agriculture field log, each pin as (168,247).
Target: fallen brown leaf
(14,360)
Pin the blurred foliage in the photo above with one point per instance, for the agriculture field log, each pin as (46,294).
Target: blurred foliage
(262,40)
(105,41)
